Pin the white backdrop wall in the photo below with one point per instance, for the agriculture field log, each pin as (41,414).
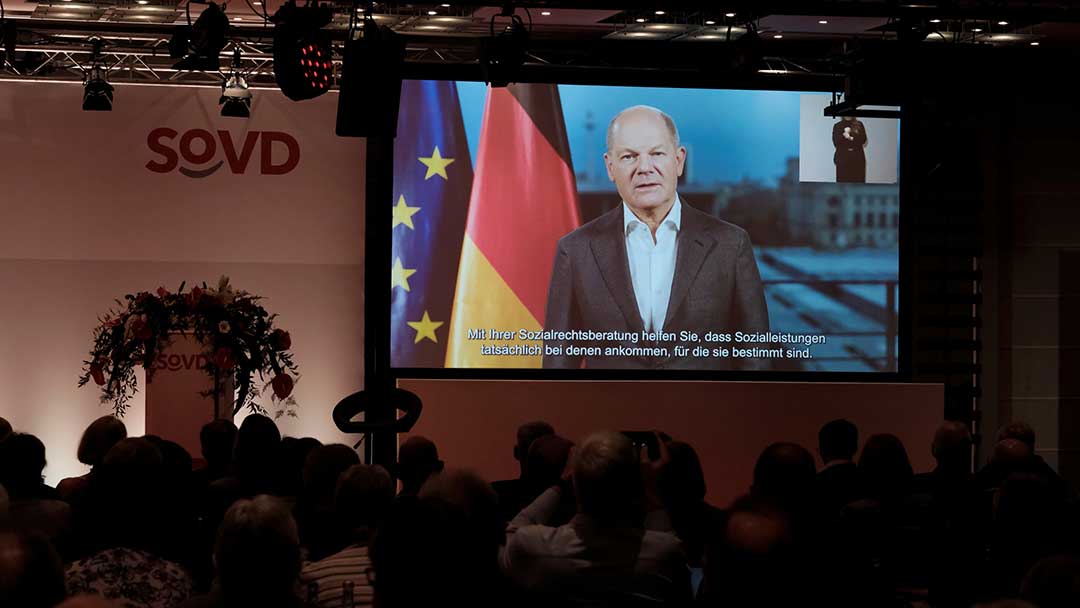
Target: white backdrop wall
(83,220)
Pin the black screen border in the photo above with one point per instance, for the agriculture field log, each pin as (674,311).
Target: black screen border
(381,177)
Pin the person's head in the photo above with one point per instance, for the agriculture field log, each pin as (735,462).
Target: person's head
(849,119)
(257,552)
(838,440)
(547,460)
(363,496)
(99,438)
(175,461)
(418,459)
(31,574)
(22,461)
(322,468)
(784,475)
(127,491)
(644,157)
(607,477)
(216,440)
(1053,582)
(884,465)
(526,435)
(1019,430)
(952,446)
(417,560)
(294,453)
(682,481)
(1012,455)
(5,429)
(753,550)
(256,452)
(477,500)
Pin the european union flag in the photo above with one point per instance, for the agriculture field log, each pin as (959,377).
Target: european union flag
(432,180)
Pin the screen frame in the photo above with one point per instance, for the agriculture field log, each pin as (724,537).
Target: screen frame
(383,177)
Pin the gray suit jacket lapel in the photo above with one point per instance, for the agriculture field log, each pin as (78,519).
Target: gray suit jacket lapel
(610,253)
(694,246)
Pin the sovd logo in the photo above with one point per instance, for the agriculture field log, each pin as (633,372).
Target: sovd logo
(199,147)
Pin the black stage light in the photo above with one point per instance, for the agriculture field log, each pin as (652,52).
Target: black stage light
(206,41)
(235,95)
(97,92)
(303,56)
(503,54)
(370,91)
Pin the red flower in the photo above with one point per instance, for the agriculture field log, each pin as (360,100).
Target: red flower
(223,358)
(161,293)
(283,385)
(98,373)
(140,328)
(193,297)
(280,339)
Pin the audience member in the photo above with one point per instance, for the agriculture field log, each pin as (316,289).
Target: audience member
(216,441)
(838,481)
(477,501)
(514,494)
(5,429)
(1053,582)
(31,575)
(416,557)
(418,459)
(22,462)
(605,554)
(1015,453)
(131,529)
(294,453)
(32,505)
(362,499)
(257,554)
(783,480)
(314,510)
(754,561)
(681,487)
(254,469)
(547,460)
(97,440)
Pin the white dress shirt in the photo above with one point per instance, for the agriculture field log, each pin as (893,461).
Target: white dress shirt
(652,263)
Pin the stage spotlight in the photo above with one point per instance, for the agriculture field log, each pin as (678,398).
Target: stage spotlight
(203,42)
(97,92)
(370,90)
(303,56)
(235,95)
(503,54)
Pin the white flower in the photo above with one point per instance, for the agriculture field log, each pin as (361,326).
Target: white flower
(223,327)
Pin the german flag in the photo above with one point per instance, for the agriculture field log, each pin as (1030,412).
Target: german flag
(523,201)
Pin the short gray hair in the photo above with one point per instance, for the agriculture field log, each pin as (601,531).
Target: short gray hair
(607,475)
(668,122)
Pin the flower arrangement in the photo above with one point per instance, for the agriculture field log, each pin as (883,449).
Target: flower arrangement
(238,332)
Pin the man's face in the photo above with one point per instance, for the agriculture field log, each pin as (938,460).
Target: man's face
(643,160)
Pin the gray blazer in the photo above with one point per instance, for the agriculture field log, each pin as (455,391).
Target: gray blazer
(716,288)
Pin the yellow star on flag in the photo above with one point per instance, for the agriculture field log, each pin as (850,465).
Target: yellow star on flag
(425,328)
(436,164)
(403,213)
(399,275)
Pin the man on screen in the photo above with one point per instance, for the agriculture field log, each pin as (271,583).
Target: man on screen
(654,265)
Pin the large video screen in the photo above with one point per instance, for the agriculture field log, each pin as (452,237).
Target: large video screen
(595,227)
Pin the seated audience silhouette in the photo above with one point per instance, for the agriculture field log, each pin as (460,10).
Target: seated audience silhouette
(681,486)
(417,557)
(606,554)
(216,441)
(98,438)
(314,510)
(131,529)
(838,481)
(1053,582)
(257,555)
(754,561)
(31,574)
(33,506)
(514,494)
(362,499)
(5,429)
(418,459)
